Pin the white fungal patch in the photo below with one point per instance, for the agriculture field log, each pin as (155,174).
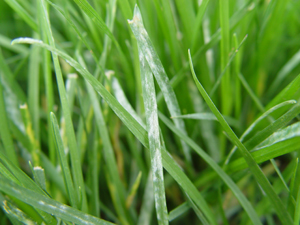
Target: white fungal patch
(41,202)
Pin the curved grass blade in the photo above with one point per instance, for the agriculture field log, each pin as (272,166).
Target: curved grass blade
(284,71)
(236,191)
(64,163)
(250,128)
(276,202)
(48,205)
(277,124)
(140,133)
(149,97)
(284,134)
(158,71)
(208,116)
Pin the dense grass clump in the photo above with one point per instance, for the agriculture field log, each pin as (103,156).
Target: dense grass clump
(149,112)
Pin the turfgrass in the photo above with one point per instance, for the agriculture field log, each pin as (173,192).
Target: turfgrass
(149,112)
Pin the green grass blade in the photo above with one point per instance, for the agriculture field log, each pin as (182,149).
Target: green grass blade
(239,195)
(281,211)
(251,127)
(139,132)
(148,203)
(64,163)
(226,100)
(297,208)
(33,95)
(198,21)
(284,134)
(48,205)
(277,124)
(284,72)
(176,172)
(22,13)
(117,186)
(208,116)
(4,131)
(178,211)
(227,66)
(158,71)
(150,104)
(94,16)
(72,143)
(120,96)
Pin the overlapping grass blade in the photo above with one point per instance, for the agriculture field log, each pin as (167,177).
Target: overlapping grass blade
(251,127)
(208,116)
(158,71)
(281,211)
(72,143)
(277,124)
(150,105)
(239,195)
(4,131)
(48,205)
(117,186)
(148,202)
(133,126)
(64,163)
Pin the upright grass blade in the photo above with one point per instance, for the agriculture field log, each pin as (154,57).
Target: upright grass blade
(72,143)
(116,184)
(226,99)
(47,204)
(158,71)
(64,163)
(148,202)
(198,21)
(4,131)
(150,104)
(33,94)
(278,205)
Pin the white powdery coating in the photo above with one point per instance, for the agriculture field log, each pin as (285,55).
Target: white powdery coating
(284,134)
(120,96)
(12,106)
(41,202)
(26,40)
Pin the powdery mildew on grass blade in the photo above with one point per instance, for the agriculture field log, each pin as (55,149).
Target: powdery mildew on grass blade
(149,97)
(48,205)
(158,71)
(284,134)
(250,128)
(140,133)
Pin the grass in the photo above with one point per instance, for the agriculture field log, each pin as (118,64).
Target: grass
(149,112)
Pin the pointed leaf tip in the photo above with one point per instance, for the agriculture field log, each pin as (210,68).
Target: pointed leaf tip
(137,17)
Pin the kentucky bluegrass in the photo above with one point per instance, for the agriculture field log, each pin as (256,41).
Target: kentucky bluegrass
(149,112)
